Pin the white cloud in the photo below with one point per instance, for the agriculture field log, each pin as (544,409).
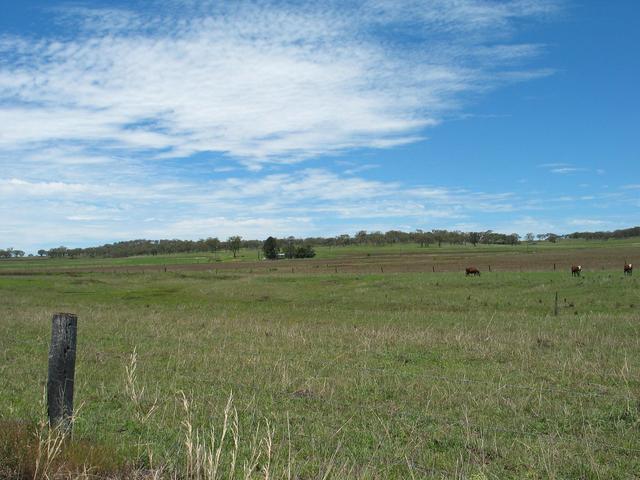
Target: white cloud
(260,82)
(124,127)
(553,165)
(587,222)
(303,202)
(565,170)
(568,168)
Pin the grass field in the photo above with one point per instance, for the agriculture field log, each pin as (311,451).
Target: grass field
(400,252)
(357,374)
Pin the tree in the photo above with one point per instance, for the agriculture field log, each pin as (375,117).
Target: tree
(212,244)
(57,252)
(439,236)
(234,244)
(42,252)
(529,237)
(270,248)
(552,237)
(343,239)
(513,239)
(474,238)
(291,248)
(305,251)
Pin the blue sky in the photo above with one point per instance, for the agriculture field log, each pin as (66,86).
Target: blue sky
(188,119)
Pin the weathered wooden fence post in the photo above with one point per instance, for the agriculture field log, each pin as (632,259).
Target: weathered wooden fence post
(62,364)
(555,308)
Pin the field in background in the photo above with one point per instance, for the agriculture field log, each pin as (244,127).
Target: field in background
(363,373)
(540,256)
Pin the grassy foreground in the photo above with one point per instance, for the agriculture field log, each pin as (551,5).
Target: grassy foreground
(408,375)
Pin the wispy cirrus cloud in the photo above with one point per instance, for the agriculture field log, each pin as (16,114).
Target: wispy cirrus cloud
(297,202)
(307,201)
(189,118)
(567,168)
(260,82)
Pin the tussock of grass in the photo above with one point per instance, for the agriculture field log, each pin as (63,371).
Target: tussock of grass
(31,451)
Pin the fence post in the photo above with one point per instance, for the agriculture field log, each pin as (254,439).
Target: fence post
(555,308)
(554,267)
(62,364)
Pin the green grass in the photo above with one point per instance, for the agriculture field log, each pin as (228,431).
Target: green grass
(445,248)
(328,253)
(171,259)
(361,376)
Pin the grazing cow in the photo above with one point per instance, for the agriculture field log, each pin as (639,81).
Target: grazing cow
(472,271)
(628,269)
(576,270)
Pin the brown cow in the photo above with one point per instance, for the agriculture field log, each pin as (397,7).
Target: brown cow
(628,269)
(472,271)
(576,270)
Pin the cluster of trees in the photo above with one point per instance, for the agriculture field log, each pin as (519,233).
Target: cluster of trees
(616,234)
(153,247)
(11,253)
(291,248)
(424,238)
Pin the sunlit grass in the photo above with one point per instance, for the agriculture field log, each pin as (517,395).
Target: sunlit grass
(343,375)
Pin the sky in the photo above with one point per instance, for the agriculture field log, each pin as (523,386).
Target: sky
(189,119)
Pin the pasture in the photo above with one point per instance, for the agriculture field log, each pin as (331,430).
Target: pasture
(360,365)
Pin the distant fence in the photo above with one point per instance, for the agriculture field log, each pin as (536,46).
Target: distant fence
(366,266)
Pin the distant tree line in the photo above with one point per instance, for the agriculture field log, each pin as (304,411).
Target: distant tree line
(293,247)
(615,234)
(131,248)
(11,253)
